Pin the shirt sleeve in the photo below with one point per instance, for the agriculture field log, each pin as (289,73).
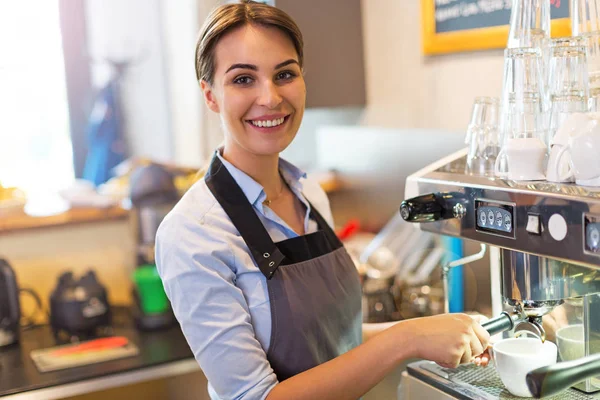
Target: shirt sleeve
(197,270)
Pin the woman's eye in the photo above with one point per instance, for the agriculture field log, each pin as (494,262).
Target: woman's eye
(242,80)
(285,75)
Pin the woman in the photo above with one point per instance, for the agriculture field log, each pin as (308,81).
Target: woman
(267,297)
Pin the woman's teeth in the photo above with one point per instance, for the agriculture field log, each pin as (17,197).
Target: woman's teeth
(268,124)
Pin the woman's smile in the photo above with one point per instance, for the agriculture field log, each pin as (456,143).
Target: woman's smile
(269,123)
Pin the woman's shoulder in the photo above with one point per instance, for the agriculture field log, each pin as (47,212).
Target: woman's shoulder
(196,214)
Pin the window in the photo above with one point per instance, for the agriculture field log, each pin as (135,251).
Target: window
(35,144)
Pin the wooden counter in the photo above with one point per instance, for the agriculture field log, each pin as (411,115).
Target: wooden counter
(22,221)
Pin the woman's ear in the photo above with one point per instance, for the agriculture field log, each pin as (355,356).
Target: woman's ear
(209,96)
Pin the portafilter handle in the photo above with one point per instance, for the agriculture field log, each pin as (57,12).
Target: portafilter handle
(433,207)
(547,381)
(502,323)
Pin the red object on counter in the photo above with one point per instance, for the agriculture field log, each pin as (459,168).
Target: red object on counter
(349,229)
(96,344)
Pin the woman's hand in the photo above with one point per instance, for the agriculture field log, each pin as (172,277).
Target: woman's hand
(449,339)
(484,359)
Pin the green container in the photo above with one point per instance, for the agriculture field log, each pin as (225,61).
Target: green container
(152,294)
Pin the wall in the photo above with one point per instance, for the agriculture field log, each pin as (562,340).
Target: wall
(406,89)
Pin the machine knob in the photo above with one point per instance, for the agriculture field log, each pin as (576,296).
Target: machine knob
(593,236)
(433,207)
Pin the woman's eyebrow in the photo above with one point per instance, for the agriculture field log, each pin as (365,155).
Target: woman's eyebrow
(255,68)
(242,66)
(286,62)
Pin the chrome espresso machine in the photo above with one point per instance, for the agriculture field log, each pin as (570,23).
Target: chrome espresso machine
(544,242)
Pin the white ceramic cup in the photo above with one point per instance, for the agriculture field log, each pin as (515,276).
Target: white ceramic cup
(555,172)
(570,342)
(515,357)
(572,125)
(582,153)
(525,159)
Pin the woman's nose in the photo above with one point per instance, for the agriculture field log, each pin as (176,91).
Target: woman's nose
(269,96)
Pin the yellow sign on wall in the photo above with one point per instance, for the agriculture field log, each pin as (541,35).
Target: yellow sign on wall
(451,26)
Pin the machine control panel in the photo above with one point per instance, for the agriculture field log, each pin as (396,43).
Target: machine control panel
(591,226)
(495,217)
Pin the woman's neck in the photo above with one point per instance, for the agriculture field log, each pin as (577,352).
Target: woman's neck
(263,169)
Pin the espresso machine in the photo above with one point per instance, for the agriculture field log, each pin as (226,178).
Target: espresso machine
(544,245)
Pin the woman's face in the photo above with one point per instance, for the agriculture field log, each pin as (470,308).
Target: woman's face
(258,90)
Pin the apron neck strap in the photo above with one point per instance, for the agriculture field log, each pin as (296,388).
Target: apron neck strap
(231,197)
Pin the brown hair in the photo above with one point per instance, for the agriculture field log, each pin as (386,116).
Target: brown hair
(230,16)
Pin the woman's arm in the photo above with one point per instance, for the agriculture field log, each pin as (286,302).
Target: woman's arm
(448,339)
(196,268)
(369,330)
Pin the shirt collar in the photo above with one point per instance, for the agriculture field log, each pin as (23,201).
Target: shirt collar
(252,189)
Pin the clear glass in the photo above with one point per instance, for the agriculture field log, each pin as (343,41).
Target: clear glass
(568,82)
(592,45)
(523,95)
(568,72)
(482,132)
(529,24)
(585,16)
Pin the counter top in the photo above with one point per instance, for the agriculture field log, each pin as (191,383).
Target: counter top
(162,353)
(21,221)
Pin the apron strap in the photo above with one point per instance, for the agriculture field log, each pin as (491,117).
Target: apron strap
(231,197)
(332,238)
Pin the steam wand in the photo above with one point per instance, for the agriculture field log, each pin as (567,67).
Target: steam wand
(457,263)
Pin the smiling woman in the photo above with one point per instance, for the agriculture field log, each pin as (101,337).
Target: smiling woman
(266,294)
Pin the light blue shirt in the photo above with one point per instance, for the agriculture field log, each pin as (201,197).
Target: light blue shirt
(217,292)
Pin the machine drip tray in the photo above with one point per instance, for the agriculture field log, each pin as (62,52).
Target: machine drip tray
(470,382)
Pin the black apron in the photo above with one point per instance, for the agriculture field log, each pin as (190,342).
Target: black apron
(313,285)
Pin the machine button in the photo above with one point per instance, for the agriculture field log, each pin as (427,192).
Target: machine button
(593,237)
(557,226)
(507,222)
(491,217)
(499,219)
(482,218)
(533,224)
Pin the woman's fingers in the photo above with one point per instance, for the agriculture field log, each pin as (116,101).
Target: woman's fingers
(482,334)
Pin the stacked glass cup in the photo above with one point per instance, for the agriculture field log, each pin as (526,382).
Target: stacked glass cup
(549,88)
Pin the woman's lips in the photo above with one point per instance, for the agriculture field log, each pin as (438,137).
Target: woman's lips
(269,124)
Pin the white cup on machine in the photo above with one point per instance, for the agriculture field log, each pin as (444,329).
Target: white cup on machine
(574,124)
(525,159)
(583,156)
(516,357)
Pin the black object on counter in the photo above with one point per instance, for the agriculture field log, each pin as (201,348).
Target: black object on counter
(433,207)
(552,379)
(150,185)
(10,309)
(79,307)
